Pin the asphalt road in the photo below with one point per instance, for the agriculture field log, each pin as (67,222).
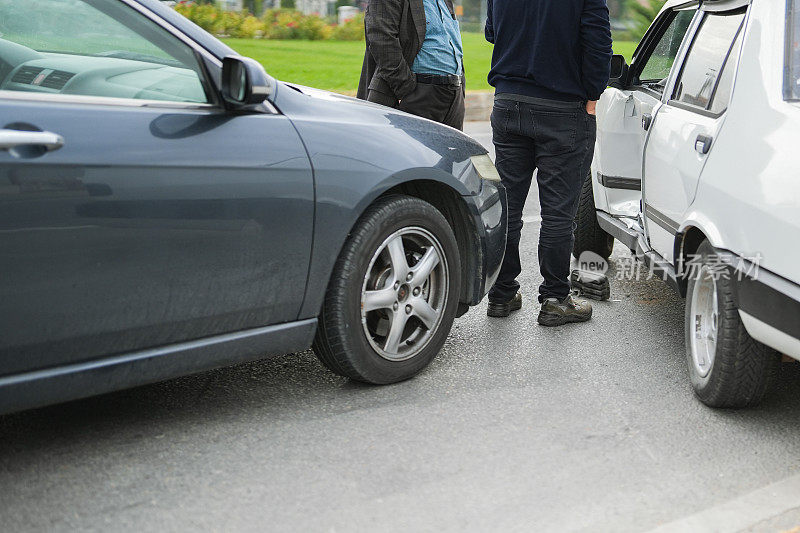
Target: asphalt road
(514,427)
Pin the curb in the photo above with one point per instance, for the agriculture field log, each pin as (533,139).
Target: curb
(743,512)
(478,105)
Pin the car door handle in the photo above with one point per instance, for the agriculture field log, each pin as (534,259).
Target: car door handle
(703,144)
(14,138)
(647,120)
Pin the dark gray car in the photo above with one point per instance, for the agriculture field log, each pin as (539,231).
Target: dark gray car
(166,207)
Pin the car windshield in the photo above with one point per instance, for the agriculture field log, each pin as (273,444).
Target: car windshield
(74,27)
(93,48)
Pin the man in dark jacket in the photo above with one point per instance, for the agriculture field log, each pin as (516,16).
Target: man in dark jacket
(551,63)
(413,60)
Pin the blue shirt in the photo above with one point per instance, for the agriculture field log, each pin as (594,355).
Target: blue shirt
(441,51)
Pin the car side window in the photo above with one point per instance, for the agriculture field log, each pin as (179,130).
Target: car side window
(702,71)
(722,96)
(657,67)
(94,48)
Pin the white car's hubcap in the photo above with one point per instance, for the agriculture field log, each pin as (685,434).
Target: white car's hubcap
(704,314)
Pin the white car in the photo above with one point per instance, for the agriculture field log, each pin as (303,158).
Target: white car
(697,172)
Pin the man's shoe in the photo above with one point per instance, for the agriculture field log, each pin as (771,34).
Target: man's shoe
(592,285)
(570,309)
(500,309)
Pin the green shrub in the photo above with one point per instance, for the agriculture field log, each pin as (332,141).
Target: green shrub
(291,24)
(249,28)
(273,24)
(228,23)
(351,30)
(204,15)
(313,28)
(281,24)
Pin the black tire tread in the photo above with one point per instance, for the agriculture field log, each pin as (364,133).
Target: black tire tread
(330,344)
(589,236)
(743,368)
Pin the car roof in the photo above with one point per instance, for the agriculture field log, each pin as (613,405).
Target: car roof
(675,3)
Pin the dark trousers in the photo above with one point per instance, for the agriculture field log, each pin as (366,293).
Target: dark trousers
(557,138)
(441,103)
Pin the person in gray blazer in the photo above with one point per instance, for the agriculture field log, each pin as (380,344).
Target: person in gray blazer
(414,59)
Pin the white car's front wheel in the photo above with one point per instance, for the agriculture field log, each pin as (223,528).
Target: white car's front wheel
(727,367)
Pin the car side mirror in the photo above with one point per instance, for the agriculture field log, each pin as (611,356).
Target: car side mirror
(244,82)
(619,71)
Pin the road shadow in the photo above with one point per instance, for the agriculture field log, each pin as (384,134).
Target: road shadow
(297,386)
(274,389)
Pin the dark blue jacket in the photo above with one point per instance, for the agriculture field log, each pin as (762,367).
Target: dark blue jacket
(556,49)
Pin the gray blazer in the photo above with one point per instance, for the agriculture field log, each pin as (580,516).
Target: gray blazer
(395,30)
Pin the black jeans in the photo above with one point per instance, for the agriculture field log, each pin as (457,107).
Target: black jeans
(557,138)
(441,103)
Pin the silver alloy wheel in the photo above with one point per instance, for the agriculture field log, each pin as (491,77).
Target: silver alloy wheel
(404,293)
(704,313)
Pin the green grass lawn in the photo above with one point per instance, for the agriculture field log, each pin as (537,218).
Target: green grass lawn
(336,65)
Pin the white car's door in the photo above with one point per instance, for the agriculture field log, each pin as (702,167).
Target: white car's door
(625,114)
(684,129)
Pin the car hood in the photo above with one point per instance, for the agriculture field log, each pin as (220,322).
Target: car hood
(334,125)
(328,95)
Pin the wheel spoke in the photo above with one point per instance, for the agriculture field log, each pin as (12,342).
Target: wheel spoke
(705,312)
(397,287)
(397,256)
(426,264)
(714,304)
(392,344)
(381,299)
(425,313)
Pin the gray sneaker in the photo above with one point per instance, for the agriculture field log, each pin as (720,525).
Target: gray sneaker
(570,309)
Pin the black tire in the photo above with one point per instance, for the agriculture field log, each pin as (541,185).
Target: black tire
(589,236)
(742,368)
(341,342)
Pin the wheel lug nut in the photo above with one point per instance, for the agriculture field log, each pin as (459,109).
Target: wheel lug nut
(416,291)
(408,309)
(396,285)
(395,306)
(410,276)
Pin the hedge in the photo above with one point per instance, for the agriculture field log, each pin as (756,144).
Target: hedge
(273,24)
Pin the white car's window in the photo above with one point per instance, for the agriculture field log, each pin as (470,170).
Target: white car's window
(657,67)
(706,58)
(792,89)
(722,96)
(93,48)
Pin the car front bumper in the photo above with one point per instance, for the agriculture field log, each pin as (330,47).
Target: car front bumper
(491,217)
